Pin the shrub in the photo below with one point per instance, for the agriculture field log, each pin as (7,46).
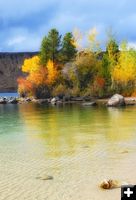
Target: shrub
(60,91)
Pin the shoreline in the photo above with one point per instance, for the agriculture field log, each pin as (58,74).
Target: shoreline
(91,101)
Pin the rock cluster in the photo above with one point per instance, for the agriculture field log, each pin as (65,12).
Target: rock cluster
(115,101)
(10,100)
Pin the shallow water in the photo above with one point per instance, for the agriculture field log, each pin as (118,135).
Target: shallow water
(78,146)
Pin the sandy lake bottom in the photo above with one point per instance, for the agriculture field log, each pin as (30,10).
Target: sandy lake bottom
(77,146)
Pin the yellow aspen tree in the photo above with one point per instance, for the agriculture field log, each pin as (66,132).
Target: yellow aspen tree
(52,72)
(31,64)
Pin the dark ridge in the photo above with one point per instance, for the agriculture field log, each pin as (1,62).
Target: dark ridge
(10,69)
(19,53)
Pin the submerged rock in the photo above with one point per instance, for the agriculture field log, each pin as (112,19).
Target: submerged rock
(86,147)
(89,103)
(45,177)
(125,151)
(116,100)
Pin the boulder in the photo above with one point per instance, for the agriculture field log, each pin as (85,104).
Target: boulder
(13,101)
(54,100)
(28,99)
(3,100)
(116,100)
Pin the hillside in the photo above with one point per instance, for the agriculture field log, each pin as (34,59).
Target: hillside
(10,69)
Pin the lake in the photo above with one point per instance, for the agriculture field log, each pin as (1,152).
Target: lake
(78,146)
(8,94)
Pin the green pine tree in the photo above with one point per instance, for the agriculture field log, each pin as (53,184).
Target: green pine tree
(50,47)
(44,51)
(68,50)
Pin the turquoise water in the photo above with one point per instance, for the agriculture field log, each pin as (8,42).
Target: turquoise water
(68,142)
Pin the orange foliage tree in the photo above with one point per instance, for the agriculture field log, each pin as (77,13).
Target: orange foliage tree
(39,78)
(25,87)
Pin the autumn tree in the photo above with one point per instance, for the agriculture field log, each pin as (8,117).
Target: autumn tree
(78,39)
(52,72)
(86,69)
(31,65)
(93,43)
(39,79)
(124,73)
(25,87)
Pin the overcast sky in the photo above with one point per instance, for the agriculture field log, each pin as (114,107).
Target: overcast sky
(24,23)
